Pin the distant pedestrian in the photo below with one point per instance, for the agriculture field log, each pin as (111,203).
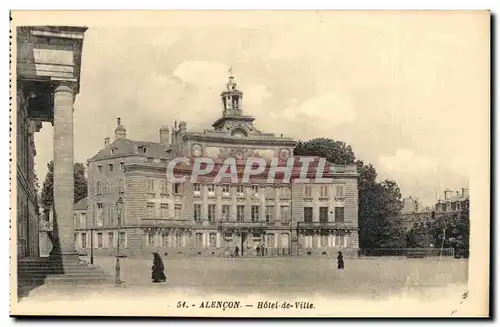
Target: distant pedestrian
(340,261)
(158,274)
(258,249)
(236,251)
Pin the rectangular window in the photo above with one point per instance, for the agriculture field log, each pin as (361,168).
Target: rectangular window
(111,240)
(123,240)
(197,212)
(339,191)
(164,187)
(211,189)
(211,212)
(151,238)
(308,214)
(98,188)
(99,240)
(225,212)
(151,185)
(111,214)
(240,190)
(339,239)
(110,167)
(121,186)
(177,212)
(99,168)
(255,213)
(255,190)
(212,240)
(339,214)
(240,213)
(270,192)
(198,241)
(270,240)
(164,211)
(323,214)
(84,240)
(177,188)
(150,210)
(323,191)
(100,214)
(324,241)
(197,189)
(285,214)
(122,166)
(307,191)
(285,192)
(269,213)
(225,190)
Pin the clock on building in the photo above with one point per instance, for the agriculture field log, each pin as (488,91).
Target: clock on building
(284,153)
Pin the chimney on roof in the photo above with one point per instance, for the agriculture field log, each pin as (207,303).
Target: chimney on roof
(106,142)
(465,192)
(164,135)
(448,194)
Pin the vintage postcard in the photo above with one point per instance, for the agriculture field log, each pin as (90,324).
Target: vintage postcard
(250,163)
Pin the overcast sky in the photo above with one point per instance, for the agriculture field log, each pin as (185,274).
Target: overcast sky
(401,88)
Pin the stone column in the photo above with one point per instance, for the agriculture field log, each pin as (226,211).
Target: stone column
(63,169)
(218,240)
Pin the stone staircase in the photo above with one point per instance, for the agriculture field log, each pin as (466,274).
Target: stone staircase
(38,271)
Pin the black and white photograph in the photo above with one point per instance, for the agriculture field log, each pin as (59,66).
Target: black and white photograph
(250,163)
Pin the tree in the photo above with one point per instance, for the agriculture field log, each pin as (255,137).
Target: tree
(334,151)
(80,188)
(420,236)
(452,231)
(379,203)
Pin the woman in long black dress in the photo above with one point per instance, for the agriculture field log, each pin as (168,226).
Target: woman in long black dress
(157,274)
(340,261)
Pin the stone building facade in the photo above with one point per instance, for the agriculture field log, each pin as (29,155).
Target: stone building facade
(212,219)
(453,201)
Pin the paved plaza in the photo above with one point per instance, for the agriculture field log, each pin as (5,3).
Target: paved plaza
(368,277)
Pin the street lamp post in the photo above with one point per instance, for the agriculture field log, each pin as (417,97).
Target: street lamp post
(119,208)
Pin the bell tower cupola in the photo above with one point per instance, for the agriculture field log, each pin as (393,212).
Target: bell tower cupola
(231,98)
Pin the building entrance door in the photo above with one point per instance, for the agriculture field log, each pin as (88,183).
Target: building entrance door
(243,243)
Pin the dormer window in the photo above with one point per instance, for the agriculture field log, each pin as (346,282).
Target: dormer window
(143,149)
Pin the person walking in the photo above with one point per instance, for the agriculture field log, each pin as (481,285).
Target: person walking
(340,261)
(157,271)
(236,251)
(258,249)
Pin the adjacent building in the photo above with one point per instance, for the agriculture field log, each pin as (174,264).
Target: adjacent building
(47,80)
(453,201)
(413,214)
(212,219)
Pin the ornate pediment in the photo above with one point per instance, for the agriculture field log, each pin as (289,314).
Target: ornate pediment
(238,153)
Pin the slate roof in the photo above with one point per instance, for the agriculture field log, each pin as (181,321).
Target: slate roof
(126,147)
(81,205)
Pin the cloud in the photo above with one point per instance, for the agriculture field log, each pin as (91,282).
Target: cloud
(407,163)
(422,176)
(330,108)
(202,73)
(255,95)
